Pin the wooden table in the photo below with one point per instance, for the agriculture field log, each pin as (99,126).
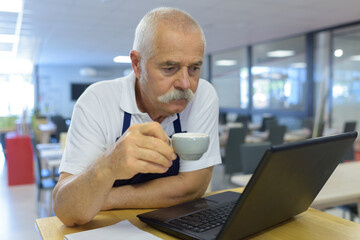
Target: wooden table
(312,224)
(343,187)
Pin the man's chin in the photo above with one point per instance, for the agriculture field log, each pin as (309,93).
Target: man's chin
(177,106)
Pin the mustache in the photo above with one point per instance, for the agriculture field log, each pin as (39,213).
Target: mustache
(176,95)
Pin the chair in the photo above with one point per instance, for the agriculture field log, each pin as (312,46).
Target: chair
(267,121)
(349,127)
(244,119)
(276,134)
(232,153)
(43,177)
(349,156)
(251,154)
(223,118)
(309,124)
(61,126)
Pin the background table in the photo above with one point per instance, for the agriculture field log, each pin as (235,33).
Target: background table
(50,155)
(343,186)
(312,224)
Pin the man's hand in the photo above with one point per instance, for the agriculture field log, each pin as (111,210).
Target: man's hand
(143,148)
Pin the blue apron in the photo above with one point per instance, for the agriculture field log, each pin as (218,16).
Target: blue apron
(144,177)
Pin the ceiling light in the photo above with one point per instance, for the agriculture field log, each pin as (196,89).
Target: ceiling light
(355,58)
(259,69)
(298,65)
(338,52)
(88,72)
(11,6)
(7,38)
(281,53)
(122,59)
(225,62)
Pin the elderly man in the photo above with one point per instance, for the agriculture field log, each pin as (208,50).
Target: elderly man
(117,152)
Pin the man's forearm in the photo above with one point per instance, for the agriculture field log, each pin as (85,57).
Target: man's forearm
(78,198)
(160,192)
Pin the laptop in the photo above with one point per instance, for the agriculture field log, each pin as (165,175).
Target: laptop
(284,184)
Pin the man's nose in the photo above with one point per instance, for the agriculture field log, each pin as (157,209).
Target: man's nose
(183,79)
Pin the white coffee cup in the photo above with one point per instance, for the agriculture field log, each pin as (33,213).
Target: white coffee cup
(190,146)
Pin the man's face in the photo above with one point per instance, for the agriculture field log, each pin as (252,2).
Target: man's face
(172,73)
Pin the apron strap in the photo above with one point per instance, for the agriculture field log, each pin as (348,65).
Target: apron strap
(177,124)
(126,124)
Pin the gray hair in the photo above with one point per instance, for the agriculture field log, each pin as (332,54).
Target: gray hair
(146,29)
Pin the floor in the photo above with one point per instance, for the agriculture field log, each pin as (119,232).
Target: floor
(19,210)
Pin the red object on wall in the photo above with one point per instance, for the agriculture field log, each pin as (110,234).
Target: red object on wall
(19,158)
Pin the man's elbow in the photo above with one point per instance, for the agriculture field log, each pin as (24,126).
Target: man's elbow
(71,219)
(69,216)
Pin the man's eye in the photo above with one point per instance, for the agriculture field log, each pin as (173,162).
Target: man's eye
(194,70)
(169,69)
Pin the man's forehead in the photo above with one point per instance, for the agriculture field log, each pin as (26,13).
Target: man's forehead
(168,40)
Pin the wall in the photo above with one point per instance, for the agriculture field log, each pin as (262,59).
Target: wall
(54,86)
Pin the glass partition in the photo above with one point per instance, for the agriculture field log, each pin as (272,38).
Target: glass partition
(279,75)
(346,76)
(229,75)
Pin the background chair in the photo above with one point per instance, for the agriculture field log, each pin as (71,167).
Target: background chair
(349,127)
(276,134)
(232,153)
(222,118)
(349,156)
(244,119)
(43,178)
(251,154)
(267,121)
(309,124)
(61,126)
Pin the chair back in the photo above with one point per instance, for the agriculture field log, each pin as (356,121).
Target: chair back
(349,155)
(244,119)
(251,154)
(276,134)
(350,126)
(38,167)
(267,122)
(232,154)
(61,126)
(222,118)
(309,124)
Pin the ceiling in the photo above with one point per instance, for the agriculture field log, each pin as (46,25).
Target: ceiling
(92,32)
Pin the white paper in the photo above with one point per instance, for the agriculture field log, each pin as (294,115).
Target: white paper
(120,230)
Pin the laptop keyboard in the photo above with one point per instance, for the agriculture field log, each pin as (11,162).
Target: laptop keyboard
(206,219)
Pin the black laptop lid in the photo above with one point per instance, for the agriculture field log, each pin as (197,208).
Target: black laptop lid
(285,183)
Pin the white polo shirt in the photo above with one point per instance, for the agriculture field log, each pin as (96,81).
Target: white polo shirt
(98,116)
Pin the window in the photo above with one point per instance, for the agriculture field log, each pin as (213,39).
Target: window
(345,75)
(16,94)
(229,75)
(279,75)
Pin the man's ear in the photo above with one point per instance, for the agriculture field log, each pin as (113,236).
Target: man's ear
(135,63)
